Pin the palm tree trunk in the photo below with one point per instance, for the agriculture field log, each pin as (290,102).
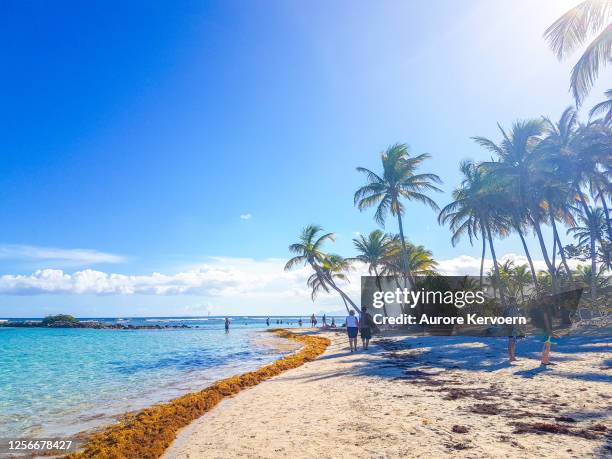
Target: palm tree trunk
(482,258)
(495,266)
(407,273)
(380,289)
(551,268)
(534,278)
(346,306)
(606,212)
(559,245)
(333,285)
(593,268)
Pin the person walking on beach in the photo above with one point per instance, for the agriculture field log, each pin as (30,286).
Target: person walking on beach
(324,320)
(227,324)
(313,321)
(352,328)
(512,311)
(365,327)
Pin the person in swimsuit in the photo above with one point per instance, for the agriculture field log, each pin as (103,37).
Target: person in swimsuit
(227,324)
(365,327)
(352,328)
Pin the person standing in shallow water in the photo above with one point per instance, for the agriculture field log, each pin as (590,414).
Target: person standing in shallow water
(227,324)
(352,328)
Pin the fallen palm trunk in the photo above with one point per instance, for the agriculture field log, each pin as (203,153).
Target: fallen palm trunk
(148,433)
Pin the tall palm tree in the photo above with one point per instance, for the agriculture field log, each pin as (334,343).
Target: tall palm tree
(560,142)
(372,251)
(570,31)
(399,180)
(603,108)
(512,175)
(309,252)
(465,215)
(591,231)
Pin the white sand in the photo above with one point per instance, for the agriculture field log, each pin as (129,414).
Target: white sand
(396,403)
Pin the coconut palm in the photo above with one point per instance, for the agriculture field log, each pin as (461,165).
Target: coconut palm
(561,141)
(309,252)
(465,215)
(335,267)
(512,175)
(590,18)
(586,277)
(603,108)
(372,251)
(591,231)
(399,180)
(420,260)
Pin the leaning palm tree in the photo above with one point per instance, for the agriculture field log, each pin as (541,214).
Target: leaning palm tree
(570,31)
(591,231)
(335,268)
(603,108)
(309,252)
(372,251)
(399,180)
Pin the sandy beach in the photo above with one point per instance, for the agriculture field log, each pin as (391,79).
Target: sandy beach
(420,397)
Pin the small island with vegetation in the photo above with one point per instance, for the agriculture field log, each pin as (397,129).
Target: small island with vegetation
(68,321)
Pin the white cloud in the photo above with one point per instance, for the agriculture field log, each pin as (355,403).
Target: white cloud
(221,285)
(246,216)
(468,265)
(59,257)
(222,277)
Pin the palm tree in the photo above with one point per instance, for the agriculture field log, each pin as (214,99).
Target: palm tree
(603,108)
(570,31)
(372,251)
(588,235)
(586,277)
(465,214)
(335,267)
(512,176)
(521,278)
(309,252)
(399,180)
(560,142)
(420,260)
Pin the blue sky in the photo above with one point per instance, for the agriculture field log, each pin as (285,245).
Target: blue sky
(134,137)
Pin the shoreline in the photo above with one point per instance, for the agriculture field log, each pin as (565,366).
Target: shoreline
(147,433)
(419,396)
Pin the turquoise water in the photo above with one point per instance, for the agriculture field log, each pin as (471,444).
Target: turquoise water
(63,381)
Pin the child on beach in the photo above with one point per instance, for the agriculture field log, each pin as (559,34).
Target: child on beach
(352,327)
